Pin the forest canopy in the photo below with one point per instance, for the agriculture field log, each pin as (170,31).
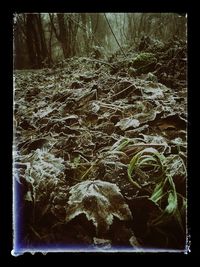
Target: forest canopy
(41,40)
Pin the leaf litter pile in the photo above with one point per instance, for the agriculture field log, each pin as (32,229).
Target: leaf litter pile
(100,151)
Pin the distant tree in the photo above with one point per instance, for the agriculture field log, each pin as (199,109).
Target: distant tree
(30,42)
(99,29)
(133,28)
(36,42)
(20,57)
(45,54)
(65,30)
(86,32)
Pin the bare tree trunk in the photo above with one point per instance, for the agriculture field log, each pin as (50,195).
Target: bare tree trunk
(42,40)
(31,42)
(50,46)
(36,42)
(63,35)
(85,35)
(18,48)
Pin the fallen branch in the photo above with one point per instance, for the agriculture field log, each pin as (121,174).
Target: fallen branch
(125,92)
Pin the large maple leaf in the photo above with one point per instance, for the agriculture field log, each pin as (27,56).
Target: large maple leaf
(100,201)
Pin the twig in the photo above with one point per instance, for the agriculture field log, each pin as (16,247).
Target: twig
(126,91)
(110,106)
(86,173)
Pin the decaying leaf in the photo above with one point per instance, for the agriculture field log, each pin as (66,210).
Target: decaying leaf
(128,123)
(45,165)
(99,201)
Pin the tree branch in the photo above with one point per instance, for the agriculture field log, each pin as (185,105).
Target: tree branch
(114,35)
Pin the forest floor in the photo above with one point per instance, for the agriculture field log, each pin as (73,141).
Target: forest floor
(100,152)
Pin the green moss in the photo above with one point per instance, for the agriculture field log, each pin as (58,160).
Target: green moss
(143,59)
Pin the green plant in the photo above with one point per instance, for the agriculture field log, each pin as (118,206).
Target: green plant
(172,205)
(165,191)
(147,158)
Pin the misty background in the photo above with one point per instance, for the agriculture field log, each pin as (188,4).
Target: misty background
(41,40)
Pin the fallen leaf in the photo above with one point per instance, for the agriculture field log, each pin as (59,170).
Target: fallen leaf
(99,201)
(128,123)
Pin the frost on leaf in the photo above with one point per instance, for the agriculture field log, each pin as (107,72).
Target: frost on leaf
(99,201)
(128,123)
(44,174)
(45,165)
